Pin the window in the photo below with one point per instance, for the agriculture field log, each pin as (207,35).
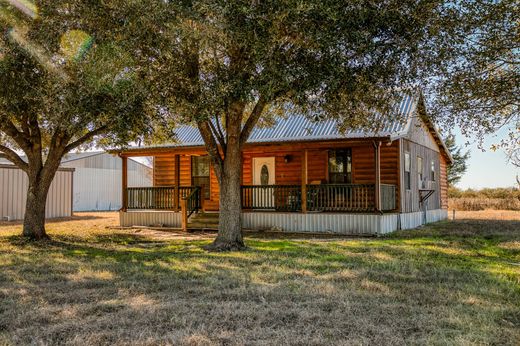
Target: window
(264,175)
(340,166)
(420,172)
(432,171)
(200,173)
(407,165)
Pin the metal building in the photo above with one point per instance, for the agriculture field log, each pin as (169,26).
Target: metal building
(97,179)
(13,193)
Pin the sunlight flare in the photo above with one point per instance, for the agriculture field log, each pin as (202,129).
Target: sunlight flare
(74,44)
(29,8)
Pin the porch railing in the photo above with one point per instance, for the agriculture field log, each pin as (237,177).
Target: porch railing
(272,197)
(192,201)
(323,197)
(341,197)
(158,198)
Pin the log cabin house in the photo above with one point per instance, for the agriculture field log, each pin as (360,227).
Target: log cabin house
(304,176)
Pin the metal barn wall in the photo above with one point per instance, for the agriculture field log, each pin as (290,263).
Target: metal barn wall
(97,181)
(13,193)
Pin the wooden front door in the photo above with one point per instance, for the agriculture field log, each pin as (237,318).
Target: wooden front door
(264,175)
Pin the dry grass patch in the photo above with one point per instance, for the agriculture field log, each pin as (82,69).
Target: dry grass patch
(486,215)
(447,283)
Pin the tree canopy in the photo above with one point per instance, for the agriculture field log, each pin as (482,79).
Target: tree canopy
(59,92)
(478,86)
(226,66)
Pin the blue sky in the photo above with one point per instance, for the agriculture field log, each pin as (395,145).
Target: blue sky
(487,168)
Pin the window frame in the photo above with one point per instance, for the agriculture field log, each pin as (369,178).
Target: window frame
(420,171)
(348,166)
(407,170)
(194,178)
(433,168)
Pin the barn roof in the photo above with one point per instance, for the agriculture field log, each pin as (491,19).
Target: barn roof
(70,157)
(80,155)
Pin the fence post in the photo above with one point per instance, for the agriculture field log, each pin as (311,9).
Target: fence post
(453,215)
(184,215)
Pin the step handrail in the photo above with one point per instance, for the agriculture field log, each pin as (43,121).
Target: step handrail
(190,204)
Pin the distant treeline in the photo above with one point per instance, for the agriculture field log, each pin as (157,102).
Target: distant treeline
(497,199)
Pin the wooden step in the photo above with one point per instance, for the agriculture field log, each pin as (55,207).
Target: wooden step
(205,221)
(205,217)
(203,226)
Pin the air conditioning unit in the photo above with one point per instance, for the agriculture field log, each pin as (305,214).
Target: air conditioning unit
(430,185)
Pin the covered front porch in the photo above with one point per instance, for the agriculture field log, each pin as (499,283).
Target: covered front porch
(276,180)
(354,198)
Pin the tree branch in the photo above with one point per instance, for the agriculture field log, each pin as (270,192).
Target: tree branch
(219,137)
(252,120)
(20,138)
(12,156)
(86,137)
(212,148)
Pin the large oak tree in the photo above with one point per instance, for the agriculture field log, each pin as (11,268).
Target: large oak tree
(50,105)
(225,66)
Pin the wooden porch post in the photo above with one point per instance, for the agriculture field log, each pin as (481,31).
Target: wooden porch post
(377,194)
(184,215)
(304,181)
(177,183)
(124,183)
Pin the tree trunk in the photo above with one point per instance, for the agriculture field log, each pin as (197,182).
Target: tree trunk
(229,236)
(34,219)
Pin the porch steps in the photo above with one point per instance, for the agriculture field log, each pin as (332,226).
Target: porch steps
(204,221)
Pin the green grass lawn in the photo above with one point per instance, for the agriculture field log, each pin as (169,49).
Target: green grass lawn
(448,283)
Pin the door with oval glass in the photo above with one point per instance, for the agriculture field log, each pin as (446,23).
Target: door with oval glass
(264,176)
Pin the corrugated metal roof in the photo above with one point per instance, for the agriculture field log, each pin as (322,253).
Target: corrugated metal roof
(297,127)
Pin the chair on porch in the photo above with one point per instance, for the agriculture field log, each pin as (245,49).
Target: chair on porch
(313,196)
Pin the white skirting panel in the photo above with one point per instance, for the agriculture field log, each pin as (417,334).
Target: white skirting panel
(327,223)
(370,224)
(354,224)
(416,219)
(150,218)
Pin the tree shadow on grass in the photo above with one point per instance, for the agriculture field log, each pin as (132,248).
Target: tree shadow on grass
(465,228)
(52,221)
